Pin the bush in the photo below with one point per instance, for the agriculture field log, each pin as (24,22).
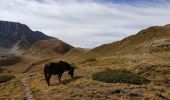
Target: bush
(119,76)
(5,77)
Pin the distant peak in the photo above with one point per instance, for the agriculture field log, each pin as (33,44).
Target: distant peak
(12,33)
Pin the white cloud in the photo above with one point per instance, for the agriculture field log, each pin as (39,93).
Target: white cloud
(85,24)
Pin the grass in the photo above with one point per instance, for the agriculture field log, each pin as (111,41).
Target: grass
(10,60)
(5,77)
(92,59)
(113,60)
(73,65)
(119,76)
(93,89)
(1,70)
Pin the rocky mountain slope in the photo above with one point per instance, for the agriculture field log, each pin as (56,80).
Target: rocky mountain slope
(12,33)
(15,35)
(152,39)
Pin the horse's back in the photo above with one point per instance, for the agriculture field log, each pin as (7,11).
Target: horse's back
(54,68)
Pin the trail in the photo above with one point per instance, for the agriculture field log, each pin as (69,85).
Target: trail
(28,95)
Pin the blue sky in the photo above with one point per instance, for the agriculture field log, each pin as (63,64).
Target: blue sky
(87,23)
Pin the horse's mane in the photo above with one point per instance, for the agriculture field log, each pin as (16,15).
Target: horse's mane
(63,62)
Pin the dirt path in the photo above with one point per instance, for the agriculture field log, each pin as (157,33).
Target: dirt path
(28,95)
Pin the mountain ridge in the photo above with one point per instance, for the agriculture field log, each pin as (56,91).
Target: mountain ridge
(141,42)
(12,33)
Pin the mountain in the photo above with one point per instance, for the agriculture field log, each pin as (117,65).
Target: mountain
(150,40)
(13,33)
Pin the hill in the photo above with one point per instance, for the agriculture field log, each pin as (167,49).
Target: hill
(51,46)
(13,33)
(150,40)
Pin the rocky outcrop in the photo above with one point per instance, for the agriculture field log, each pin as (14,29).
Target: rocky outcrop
(12,33)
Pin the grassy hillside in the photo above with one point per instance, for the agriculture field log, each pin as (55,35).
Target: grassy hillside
(153,39)
(154,67)
(51,46)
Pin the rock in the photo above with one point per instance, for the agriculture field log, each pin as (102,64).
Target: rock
(134,94)
(117,91)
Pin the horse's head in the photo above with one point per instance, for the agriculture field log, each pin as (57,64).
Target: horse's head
(71,72)
(69,68)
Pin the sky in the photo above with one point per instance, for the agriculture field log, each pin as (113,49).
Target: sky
(87,23)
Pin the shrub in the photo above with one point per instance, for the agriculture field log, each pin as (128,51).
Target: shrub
(5,77)
(119,76)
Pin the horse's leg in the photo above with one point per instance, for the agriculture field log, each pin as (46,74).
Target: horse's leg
(59,77)
(48,79)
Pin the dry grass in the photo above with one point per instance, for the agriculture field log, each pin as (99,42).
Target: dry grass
(5,77)
(10,60)
(52,46)
(84,87)
(12,90)
(150,40)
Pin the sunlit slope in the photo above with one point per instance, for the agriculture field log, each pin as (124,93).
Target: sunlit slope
(152,39)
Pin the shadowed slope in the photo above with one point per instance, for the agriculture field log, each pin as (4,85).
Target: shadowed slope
(51,46)
(12,33)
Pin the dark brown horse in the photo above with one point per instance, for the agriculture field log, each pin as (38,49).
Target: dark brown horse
(57,68)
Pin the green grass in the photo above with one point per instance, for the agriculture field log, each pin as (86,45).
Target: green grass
(5,77)
(119,76)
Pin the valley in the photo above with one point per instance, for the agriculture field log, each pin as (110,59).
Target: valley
(146,54)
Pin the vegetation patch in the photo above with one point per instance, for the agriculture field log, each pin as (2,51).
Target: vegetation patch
(119,76)
(90,60)
(5,77)
(1,70)
(73,65)
(160,48)
(10,60)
